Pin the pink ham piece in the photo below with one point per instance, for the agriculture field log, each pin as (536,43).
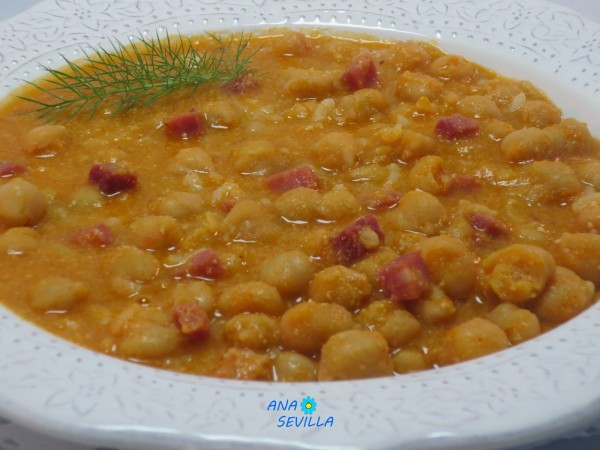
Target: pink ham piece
(301,176)
(111,179)
(94,236)
(462,182)
(8,169)
(361,74)
(205,265)
(385,198)
(456,126)
(184,126)
(487,224)
(405,278)
(349,246)
(192,320)
(241,85)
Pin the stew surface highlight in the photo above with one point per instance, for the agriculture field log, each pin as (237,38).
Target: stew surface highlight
(355,208)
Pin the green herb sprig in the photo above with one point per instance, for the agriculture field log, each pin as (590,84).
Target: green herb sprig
(129,75)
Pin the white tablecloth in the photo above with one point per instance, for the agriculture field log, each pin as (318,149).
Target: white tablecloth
(15,437)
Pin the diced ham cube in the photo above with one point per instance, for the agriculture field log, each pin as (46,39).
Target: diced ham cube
(95,236)
(361,74)
(111,179)
(241,85)
(488,224)
(185,125)
(356,240)
(405,278)
(462,182)
(287,180)
(456,126)
(8,169)
(192,320)
(385,198)
(206,265)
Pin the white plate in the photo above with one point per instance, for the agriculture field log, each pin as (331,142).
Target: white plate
(532,392)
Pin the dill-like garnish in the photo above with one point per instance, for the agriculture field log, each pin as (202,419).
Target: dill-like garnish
(125,76)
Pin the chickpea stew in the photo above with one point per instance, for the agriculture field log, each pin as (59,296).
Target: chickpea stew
(354,208)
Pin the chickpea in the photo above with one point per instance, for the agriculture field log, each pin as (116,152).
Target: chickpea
(354,354)
(373,262)
(557,180)
(435,308)
(399,328)
(308,83)
(244,364)
(249,221)
(539,113)
(340,285)
(339,203)
(363,105)
(16,241)
(519,272)
(587,211)
(289,272)
(412,86)
(428,175)
(21,204)
(57,294)
(418,211)
(450,264)
(133,264)
(306,326)
(580,252)
(570,137)
(252,296)
(478,107)
(474,338)
(412,145)
(223,114)
(291,366)
(527,144)
(254,331)
(198,291)
(566,296)
(292,43)
(259,157)
(454,67)
(336,151)
(179,204)
(375,313)
(409,55)
(155,232)
(193,159)
(146,332)
(300,204)
(407,361)
(519,324)
(588,171)
(45,140)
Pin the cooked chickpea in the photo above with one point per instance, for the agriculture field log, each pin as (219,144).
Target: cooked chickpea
(256,331)
(361,106)
(250,221)
(418,211)
(57,294)
(580,252)
(539,113)
(412,145)
(587,211)
(566,296)
(259,157)
(244,364)
(146,332)
(570,137)
(19,240)
(474,338)
(335,151)
(409,55)
(478,107)
(556,179)
(21,204)
(375,313)
(399,328)
(133,264)
(354,354)
(179,204)
(196,291)
(289,272)
(193,159)
(519,272)
(155,232)
(454,67)
(406,361)
(300,204)
(428,175)
(291,366)
(588,171)
(306,326)
(251,297)
(340,285)
(412,86)
(308,83)
(450,264)
(519,324)
(434,309)
(339,203)
(527,144)
(223,114)
(45,140)
(373,262)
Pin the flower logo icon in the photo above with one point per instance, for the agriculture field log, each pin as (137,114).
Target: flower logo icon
(308,405)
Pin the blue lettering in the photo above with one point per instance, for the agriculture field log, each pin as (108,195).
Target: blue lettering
(281,421)
(293,405)
(329,421)
(282,406)
(290,421)
(272,406)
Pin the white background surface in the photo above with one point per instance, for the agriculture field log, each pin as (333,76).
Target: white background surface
(14,437)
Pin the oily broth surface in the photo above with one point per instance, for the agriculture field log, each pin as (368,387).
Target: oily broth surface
(288,122)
